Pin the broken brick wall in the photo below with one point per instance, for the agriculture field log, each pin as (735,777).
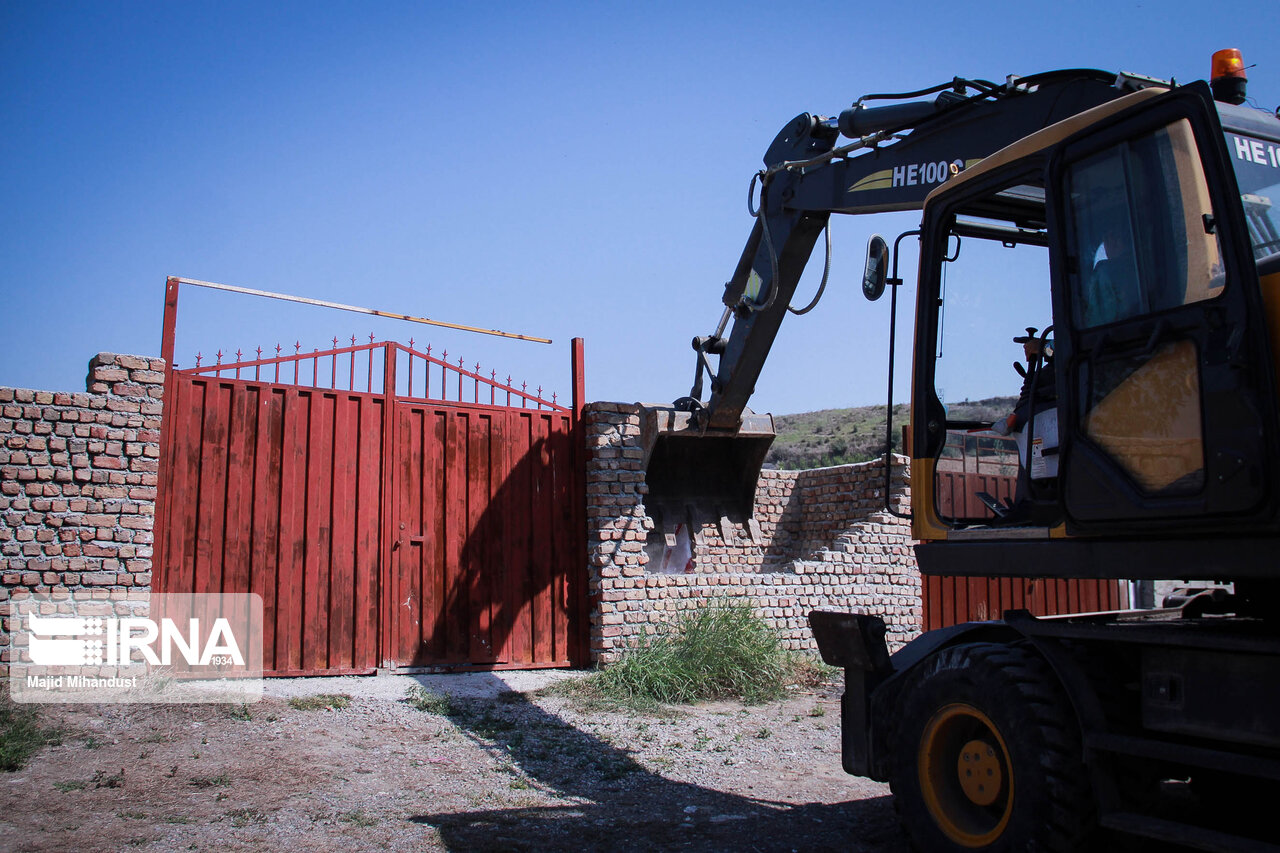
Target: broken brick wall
(820,539)
(78,484)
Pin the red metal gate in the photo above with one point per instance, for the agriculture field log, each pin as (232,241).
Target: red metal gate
(952,600)
(277,490)
(383,526)
(484,529)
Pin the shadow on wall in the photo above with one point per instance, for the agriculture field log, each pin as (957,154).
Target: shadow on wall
(624,806)
(803,516)
(836,508)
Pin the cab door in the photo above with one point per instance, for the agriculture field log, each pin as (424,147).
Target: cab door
(1169,419)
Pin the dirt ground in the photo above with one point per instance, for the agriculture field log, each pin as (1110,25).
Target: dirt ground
(510,768)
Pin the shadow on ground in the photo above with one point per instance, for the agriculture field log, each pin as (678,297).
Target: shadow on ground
(624,806)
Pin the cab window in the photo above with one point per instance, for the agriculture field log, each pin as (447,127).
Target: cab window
(1257,166)
(1142,229)
(992,366)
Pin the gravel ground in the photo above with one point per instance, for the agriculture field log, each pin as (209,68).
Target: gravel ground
(508,768)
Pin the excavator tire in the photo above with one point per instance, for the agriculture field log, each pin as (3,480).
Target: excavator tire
(987,755)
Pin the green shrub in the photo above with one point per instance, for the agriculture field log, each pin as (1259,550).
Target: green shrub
(722,650)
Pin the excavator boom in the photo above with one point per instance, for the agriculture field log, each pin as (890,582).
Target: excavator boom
(898,154)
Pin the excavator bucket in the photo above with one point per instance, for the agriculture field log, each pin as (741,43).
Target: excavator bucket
(697,475)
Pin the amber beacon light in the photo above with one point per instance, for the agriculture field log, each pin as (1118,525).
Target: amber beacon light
(1228,78)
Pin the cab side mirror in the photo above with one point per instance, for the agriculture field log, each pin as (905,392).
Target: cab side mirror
(876,270)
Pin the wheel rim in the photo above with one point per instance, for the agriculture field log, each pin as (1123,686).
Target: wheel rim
(965,775)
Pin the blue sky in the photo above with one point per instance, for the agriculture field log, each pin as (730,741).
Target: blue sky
(547,168)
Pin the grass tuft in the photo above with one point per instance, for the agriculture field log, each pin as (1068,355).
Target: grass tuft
(21,734)
(722,650)
(359,818)
(222,780)
(102,780)
(320,702)
(430,702)
(246,816)
(240,712)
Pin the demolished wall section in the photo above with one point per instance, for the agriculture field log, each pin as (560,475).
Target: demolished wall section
(819,539)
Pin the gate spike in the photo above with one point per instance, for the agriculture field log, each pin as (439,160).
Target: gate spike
(219,355)
(477,368)
(371,337)
(410,343)
(198,357)
(553,398)
(237,353)
(277,350)
(351,366)
(297,346)
(335,341)
(259,353)
(428,350)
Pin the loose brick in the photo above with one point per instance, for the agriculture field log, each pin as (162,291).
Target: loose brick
(133,362)
(146,377)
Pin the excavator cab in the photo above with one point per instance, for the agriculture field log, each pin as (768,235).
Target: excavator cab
(1136,259)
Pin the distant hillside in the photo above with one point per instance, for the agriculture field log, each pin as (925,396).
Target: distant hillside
(842,436)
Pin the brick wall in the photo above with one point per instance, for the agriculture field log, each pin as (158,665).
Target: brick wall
(820,539)
(78,484)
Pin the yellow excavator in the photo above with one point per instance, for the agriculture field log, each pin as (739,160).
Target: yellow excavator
(1133,220)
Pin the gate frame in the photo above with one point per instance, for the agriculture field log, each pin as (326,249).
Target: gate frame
(578,637)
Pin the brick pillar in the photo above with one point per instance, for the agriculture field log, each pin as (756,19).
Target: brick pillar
(78,483)
(616,522)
